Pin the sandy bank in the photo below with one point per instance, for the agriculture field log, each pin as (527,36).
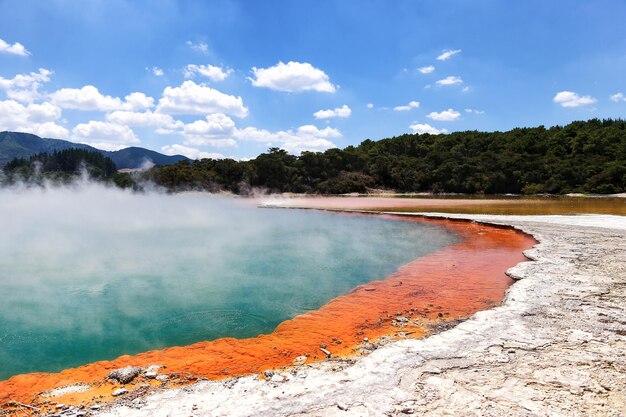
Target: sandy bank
(555,347)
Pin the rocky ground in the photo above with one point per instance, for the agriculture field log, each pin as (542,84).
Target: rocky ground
(555,347)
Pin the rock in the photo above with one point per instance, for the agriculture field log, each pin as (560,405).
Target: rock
(95,407)
(119,391)
(162,378)
(125,375)
(150,375)
(268,374)
(326,352)
(300,360)
(154,368)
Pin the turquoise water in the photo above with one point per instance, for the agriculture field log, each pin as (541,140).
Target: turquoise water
(93,273)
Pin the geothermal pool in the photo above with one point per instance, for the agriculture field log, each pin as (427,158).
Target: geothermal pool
(91,273)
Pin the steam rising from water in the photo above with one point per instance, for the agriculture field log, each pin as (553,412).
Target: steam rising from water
(89,272)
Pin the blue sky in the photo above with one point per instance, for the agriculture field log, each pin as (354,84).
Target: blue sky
(232,78)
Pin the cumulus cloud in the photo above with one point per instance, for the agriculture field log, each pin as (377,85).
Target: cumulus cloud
(47,130)
(38,119)
(572,99)
(447,54)
(13,49)
(156,71)
(422,128)
(426,70)
(88,98)
(192,98)
(444,116)
(217,130)
(407,107)
(370,105)
(191,153)
(305,138)
(474,111)
(104,135)
(85,98)
(137,101)
(341,112)
(292,77)
(450,80)
(147,118)
(25,87)
(201,47)
(211,72)
(617,97)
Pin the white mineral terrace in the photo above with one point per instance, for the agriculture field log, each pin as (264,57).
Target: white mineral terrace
(555,347)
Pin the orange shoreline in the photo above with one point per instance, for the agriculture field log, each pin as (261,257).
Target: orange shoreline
(450,284)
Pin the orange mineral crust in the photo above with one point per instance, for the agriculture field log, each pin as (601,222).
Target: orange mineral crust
(447,285)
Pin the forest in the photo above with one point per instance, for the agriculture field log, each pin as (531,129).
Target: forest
(581,157)
(61,167)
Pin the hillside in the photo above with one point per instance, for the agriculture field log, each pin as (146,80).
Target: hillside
(24,145)
(61,166)
(584,156)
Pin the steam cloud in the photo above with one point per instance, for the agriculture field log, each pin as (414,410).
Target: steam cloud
(90,272)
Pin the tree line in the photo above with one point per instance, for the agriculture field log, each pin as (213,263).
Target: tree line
(583,156)
(61,167)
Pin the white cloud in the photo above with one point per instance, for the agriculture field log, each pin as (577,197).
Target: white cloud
(571,99)
(474,111)
(191,153)
(85,98)
(422,128)
(617,97)
(157,72)
(342,112)
(305,138)
(104,135)
(25,87)
(14,49)
(450,80)
(199,47)
(447,54)
(38,119)
(211,72)
(292,77)
(369,105)
(217,131)
(88,98)
(426,70)
(147,118)
(407,107)
(47,130)
(192,98)
(137,101)
(444,116)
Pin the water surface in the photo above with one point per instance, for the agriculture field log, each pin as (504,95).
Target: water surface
(92,273)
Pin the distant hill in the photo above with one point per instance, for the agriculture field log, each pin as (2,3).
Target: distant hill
(24,145)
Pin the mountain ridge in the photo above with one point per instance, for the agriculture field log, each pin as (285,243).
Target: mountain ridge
(23,145)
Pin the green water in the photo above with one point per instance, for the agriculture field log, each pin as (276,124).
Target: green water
(92,274)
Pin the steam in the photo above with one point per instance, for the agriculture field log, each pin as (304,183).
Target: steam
(90,272)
